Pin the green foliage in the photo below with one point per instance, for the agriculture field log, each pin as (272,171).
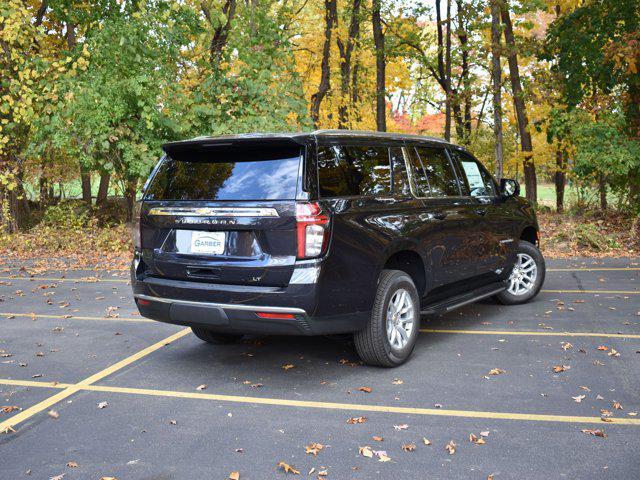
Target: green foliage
(114,113)
(588,235)
(256,87)
(72,215)
(603,147)
(584,42)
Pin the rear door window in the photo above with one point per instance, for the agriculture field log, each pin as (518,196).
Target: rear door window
(440,173)
(265,173)
(346,170)
(478,179)
(419,180)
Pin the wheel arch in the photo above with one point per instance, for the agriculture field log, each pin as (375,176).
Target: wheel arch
(530,234)
(407,259)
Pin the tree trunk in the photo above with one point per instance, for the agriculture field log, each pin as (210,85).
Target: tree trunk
(220,32)
(465,127)
(602,187)
(378,40)
(130,197)
(85,179)
(519,106)
(447,79)
(330,23)
(346,52)
(496,87)
(560,178)
(103,189)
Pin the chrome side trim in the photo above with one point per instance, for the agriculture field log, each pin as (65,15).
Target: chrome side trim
(215,211)
(229,306)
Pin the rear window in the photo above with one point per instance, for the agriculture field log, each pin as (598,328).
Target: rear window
(354,170)
(265,173)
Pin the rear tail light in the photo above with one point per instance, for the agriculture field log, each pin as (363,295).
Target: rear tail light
(313,230)
(135,229)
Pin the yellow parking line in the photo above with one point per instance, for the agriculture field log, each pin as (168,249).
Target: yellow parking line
(75,280)
(594,269)
(74,317)
(620,292)
(9,424)
(282,402)
(32,383)
(533,333)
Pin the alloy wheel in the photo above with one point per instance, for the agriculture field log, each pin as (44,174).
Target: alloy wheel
(523,276)
(400,319)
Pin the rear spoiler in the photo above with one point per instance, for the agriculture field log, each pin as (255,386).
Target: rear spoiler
(248,141)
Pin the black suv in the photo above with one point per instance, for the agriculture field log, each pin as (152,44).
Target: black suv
(329,232)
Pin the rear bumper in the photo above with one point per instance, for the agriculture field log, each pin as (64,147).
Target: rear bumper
(234,309)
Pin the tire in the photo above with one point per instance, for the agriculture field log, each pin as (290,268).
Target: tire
(529,250)
(215,338)
(373,344)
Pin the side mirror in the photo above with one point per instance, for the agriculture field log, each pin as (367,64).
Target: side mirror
(509,188)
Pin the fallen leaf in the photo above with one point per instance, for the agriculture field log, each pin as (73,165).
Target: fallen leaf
(566,346)
(426,441)
(397,381)
(484,433)
(288,366)
(234,476)
(288,468)
(450,447)
(382,456)
(632,414)
(201,387)
(365,389)
(579,398)
(377,438)
(103,405)
(617,406)
(9,408)
(561,368)
(72,464)
(597,433)
(354,420)
(57,477)
(477,440)
(496,371)
(404,426)
(613,353)
(603,348)
(365,452)
(53,414)
(314,448)
(409,447)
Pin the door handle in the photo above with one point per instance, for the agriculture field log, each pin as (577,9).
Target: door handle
(439,215)
(481,211)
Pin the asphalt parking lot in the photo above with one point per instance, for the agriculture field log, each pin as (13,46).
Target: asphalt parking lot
(89,389)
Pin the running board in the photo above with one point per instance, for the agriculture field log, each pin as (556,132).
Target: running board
(463,299)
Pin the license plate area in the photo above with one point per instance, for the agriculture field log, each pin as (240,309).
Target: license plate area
(194,242)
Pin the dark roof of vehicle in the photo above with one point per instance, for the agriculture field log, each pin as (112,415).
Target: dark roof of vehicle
(296,137)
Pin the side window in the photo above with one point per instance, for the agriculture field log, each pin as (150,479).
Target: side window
(400,180)
(418,177)
(479,181)
(354,170)
(442,178)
